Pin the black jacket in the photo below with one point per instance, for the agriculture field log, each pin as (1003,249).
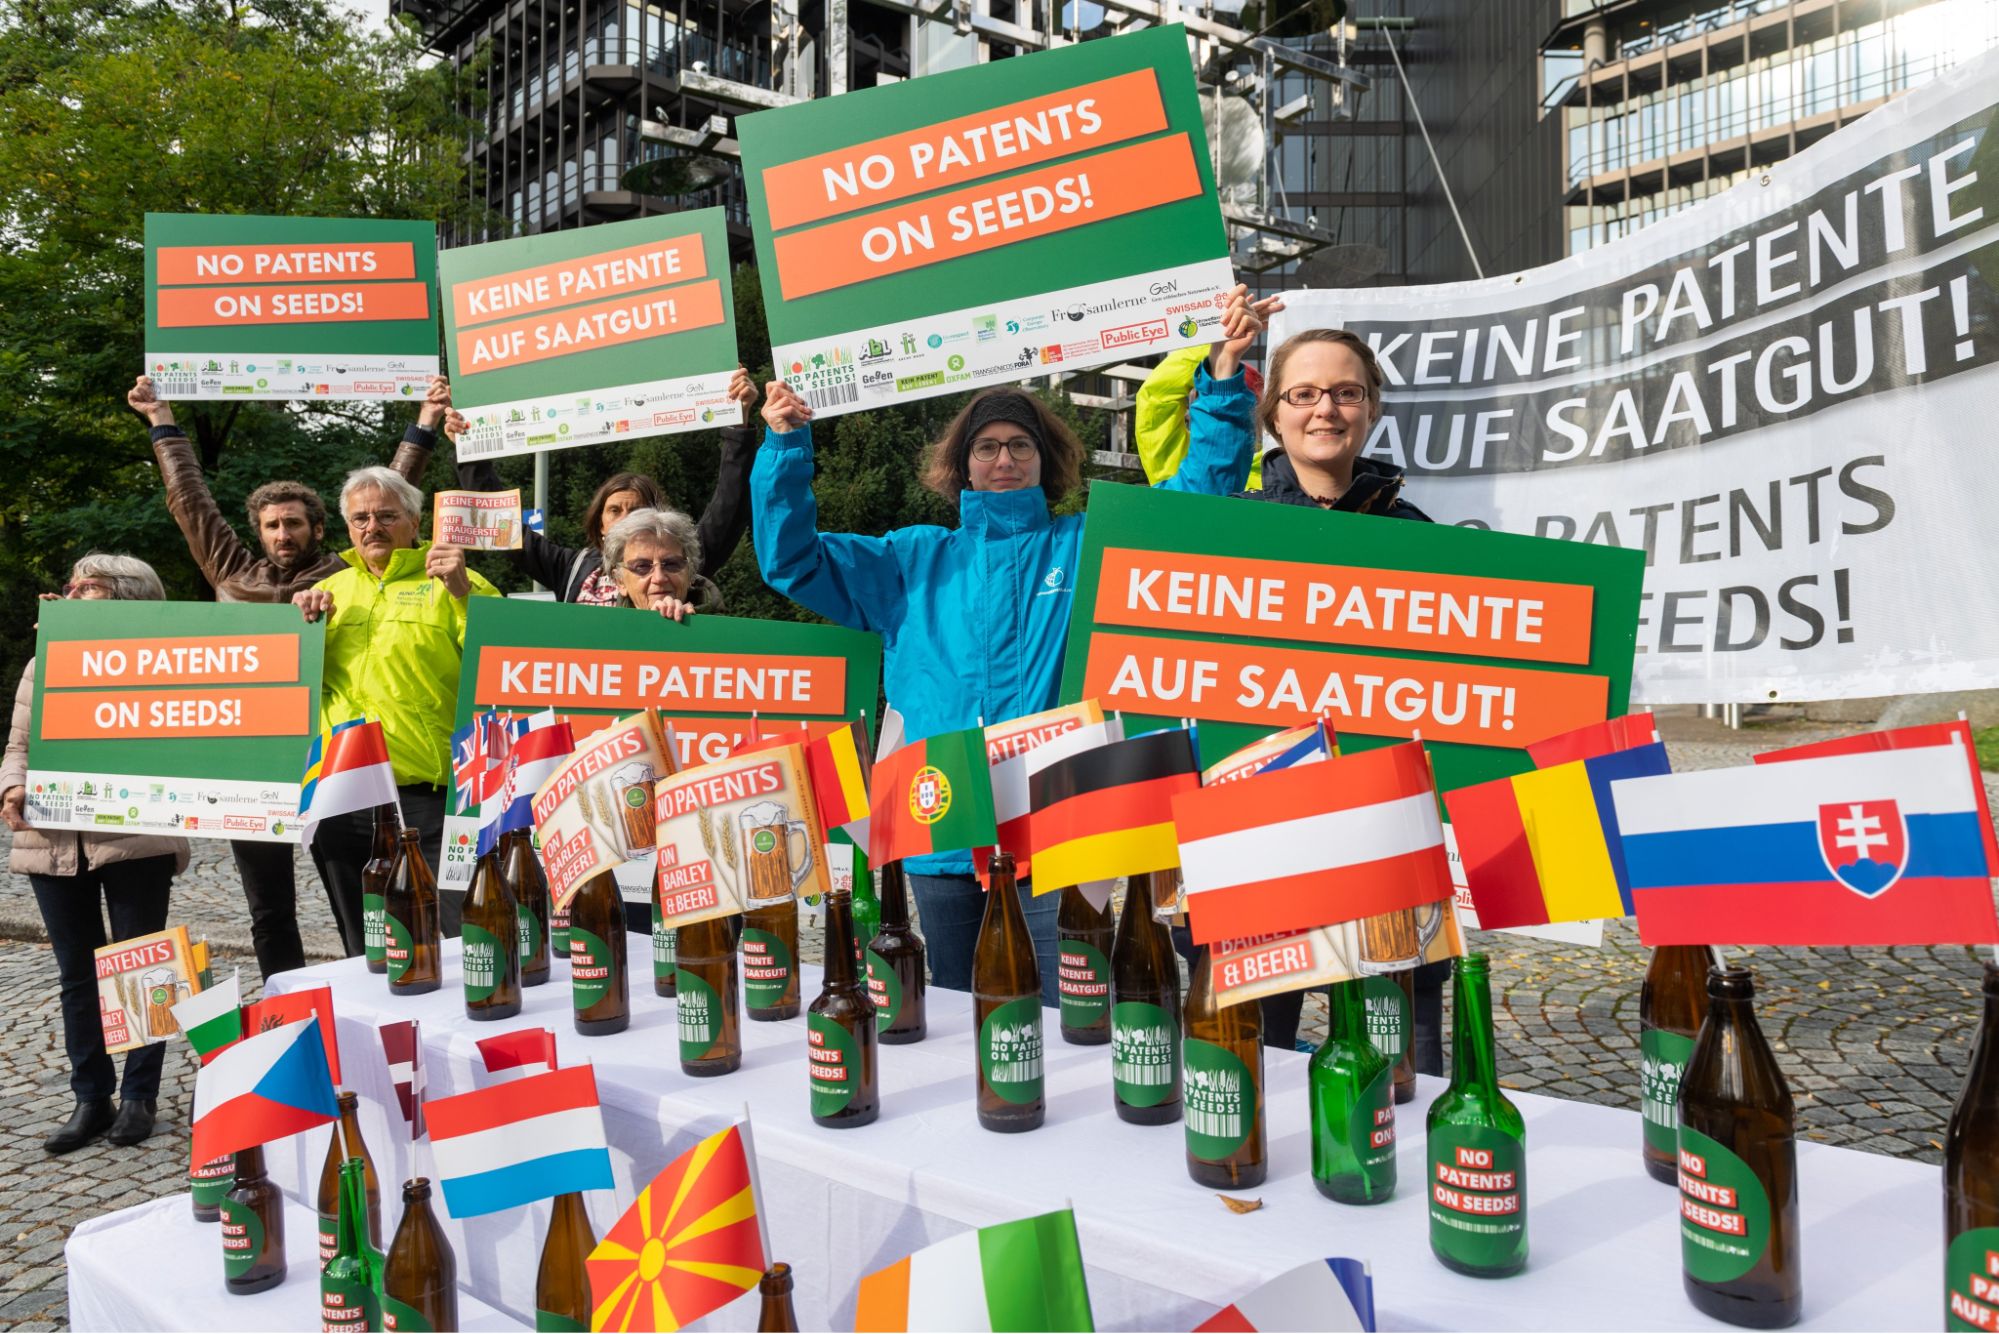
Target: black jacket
(720,529)
(1376,489)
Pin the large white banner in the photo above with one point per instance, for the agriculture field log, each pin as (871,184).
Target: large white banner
(1786,395)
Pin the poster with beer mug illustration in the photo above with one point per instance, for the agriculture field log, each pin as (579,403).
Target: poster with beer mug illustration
(775,869)
(741,832)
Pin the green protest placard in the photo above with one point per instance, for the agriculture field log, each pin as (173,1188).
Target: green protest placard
(986,225)
(241,306)
(187,718)
(1252,617)
(595,334)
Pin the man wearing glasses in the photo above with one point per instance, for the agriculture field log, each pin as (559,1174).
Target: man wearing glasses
(395,631)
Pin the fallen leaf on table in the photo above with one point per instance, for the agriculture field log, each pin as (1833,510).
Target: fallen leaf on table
(1240,1206)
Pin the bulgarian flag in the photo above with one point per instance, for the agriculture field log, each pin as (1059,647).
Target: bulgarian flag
(1013,1276)
(934,795)
(212,1019)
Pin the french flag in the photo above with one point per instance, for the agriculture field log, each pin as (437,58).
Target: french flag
(263,1088)
(354,775)
(1879,848)
(514,1143)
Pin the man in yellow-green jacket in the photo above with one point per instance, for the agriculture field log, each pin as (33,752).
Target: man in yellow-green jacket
(395,632)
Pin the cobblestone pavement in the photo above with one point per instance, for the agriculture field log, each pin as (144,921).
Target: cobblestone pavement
(1874,1041)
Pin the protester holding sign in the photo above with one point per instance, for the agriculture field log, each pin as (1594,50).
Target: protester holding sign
(653,553)
(973,618)
(289,520)
(77,878)
(394,636)
(579,574)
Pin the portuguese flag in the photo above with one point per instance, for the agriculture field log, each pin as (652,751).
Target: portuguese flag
(934,795)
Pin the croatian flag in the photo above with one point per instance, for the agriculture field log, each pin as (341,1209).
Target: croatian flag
(518,1142)
(1880,848)
(353,775)
(531,761)
(260,1089)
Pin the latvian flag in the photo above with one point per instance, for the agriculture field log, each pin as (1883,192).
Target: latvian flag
(1009,747)
(934,795)
(402,1047)
(265,1087)
(353,775)
(1109,810)
(1310,846)
(518,1142)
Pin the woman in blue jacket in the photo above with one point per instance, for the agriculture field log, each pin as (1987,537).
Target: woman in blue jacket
(973,619)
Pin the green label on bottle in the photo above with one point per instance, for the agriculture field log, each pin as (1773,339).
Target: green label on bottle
(1145,1053)
(242,1238)
(329,1238)
(530,930)
(885,990)
(558,935)
(396,948)
(549,1322)
(1971,1280)
(1220,1098)
(663,940)
(1388,1026)
(700,1014)
(345,1305)
(1663,1059)
(834,1064)
(589,967)
(373,909)
(1010,1050)
(212,1180)
(1371,1128)
(399,1317)
(1724,1211)
(766,969)
(484,962)
(1478,1196)
(1084,984)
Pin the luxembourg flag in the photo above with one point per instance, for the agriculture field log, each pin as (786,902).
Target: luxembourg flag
(1880,848)
(260,1089)
(354,775)
(518,1142)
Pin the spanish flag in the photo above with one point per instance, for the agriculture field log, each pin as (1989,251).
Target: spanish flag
(934,795)
(1108,811)
(836,764)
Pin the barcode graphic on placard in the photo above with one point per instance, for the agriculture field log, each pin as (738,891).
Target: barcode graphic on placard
(832,395)
(1217,1124)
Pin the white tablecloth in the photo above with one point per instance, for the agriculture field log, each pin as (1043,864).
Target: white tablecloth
(1162,1253)
(152,1266)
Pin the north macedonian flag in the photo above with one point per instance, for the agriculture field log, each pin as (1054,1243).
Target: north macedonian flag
(690,1244)
(934,795)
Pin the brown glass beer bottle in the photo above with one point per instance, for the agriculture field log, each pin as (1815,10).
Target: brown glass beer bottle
(662,950)
(1145,1012)
(1083,977)
(377,874)
(1738,1167)
(841,1059)
(1400,1025)
(1006,1010)
(600,983)
(777,1315)
(529,884)
(345,1142)
(704,983)
(420,1275)
(896,978)
(770,961)
(562,1284)
(490,940)
(413,930)
(253,1228)
(1672,1005)
(1971,1180)
(1221,1085)
(207,1184)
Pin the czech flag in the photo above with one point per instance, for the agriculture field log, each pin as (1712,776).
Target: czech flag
(514,1143)
(1109,811)
(934,795)
(265,1087)
(1878,848)
(1329,1294)
(349,772)
(1026,1275)
(1543,847)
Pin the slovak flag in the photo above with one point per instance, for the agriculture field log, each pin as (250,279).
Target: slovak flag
(1879,848)
(263,1088)
(353,775)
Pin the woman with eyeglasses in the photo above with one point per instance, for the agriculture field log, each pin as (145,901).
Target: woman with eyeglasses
(973,619)
(653,555)
(77,878)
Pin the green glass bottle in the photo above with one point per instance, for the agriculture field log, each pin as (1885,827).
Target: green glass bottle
(1353,1105)
(347,1284)
(1478,1145)
(867,910)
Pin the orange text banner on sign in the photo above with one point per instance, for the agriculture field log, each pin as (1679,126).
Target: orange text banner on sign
(184,265)
(986,216)
(208,660)
(561,333)
(985,143)
(1473,703)
(310,303)
(676,682)
(697,740)
(106,715)
(637,268)
(1520,619)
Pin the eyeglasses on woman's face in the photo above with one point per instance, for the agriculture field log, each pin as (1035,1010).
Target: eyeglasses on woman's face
(642,568)
(985,449)
(1308,395)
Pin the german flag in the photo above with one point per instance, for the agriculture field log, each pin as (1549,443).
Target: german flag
(836,764)
(934,795)
(1109,811)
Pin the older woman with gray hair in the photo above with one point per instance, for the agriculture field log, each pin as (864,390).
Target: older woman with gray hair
(395,632)
(654,555)
(77,878)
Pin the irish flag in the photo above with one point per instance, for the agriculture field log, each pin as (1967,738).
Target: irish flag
(934,795)
(1013,1276)
(263,1088)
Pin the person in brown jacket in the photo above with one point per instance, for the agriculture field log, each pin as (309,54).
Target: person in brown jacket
(76,878)
(289,520)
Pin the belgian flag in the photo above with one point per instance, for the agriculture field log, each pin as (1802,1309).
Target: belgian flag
(934,795)
(1109,811)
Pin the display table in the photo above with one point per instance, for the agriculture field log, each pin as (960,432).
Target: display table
(1162,1253)
(154,1267)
